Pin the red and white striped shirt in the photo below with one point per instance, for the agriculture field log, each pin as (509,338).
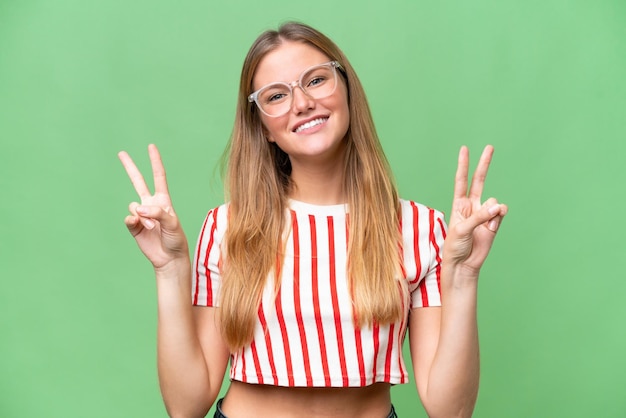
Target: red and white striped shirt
(306,336)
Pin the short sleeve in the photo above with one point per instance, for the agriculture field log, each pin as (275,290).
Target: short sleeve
(206,275)
(423,232)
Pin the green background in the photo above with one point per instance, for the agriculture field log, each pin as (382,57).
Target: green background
(543,81)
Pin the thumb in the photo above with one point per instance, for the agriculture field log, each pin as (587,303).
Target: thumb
(164,216)
(490,215)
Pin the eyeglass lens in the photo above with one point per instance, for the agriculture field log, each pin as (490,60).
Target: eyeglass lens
(317,82)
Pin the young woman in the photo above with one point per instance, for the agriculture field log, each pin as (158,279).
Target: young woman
(309,277)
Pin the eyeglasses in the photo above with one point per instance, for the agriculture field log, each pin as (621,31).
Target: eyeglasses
(317,82)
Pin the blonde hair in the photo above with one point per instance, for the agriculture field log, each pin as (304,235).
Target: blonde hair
(258,184)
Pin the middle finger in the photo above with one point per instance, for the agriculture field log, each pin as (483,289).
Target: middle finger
(478,179)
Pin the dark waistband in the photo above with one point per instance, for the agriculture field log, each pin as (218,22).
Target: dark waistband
(220,414)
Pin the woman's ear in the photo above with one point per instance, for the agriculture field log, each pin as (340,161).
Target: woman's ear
(266,134)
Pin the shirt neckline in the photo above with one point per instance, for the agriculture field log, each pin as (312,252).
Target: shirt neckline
(319,210)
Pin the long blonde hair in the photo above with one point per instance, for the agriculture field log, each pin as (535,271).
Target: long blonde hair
(258,184)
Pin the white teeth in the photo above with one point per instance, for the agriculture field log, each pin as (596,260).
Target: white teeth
(310,124)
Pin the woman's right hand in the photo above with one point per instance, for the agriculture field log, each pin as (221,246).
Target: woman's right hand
(153,222)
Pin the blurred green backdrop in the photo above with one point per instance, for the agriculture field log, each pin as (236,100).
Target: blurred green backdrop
(543,81)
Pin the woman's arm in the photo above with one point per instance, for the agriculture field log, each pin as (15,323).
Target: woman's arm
(444,349)
(444,341)
(191,355)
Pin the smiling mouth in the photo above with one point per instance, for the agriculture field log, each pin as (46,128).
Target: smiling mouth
(310,124)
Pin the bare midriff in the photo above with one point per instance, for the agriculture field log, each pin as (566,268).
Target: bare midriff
(245,400)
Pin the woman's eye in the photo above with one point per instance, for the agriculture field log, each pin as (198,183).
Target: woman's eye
(316,81)
(275,97)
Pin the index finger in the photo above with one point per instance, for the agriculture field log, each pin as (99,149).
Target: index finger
(478,179)
(158,171)
(134,174)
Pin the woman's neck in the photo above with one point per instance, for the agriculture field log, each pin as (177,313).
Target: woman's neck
(318,184)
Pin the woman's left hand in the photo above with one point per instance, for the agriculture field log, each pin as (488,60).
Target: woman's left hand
(473,225)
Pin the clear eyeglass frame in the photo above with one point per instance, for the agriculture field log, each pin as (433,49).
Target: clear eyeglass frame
(254,97)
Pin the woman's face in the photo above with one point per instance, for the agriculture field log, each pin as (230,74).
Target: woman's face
(313,130)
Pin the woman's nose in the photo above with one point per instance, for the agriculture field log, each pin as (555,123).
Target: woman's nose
(301,100)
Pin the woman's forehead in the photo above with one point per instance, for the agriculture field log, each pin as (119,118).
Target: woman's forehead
(286,63)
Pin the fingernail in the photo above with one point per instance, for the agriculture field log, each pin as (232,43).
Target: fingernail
(142,210)
(493,225)
(494,209)
(148,223)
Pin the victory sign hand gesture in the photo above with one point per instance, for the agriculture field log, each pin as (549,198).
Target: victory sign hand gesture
(473,225)
(153,222)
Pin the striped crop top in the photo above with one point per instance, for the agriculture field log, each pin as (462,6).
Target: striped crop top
(306,337)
